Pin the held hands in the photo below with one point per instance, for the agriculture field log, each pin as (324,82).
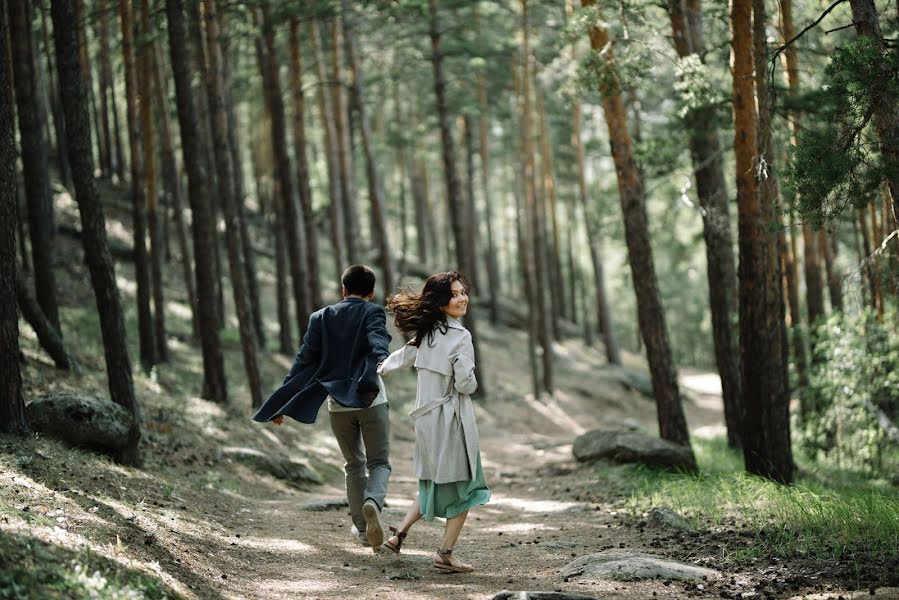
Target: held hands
(278,420)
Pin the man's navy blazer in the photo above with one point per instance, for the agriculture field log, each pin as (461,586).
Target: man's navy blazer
(341,350)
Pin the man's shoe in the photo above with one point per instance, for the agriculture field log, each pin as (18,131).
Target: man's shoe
(374,531)
(360,535)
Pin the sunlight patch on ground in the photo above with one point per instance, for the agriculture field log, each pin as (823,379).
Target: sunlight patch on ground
(710,432)
(274,544)
(702,383)
(534,506)
(126,286)
(526,528)
(178,310)
(551,410)
(288,588)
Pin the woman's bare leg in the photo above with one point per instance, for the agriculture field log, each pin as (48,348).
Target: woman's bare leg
(450,536)
(412,515)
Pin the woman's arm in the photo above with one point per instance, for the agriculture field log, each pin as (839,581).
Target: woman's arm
(463,367)
(401,359)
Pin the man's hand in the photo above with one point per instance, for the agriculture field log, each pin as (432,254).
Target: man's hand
(278,420)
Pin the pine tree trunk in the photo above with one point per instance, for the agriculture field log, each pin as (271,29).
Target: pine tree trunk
(603,312)
(34,159)
(868,258)
(86,72)
(215,386)
(55,102)
(305,189)
(105,80)
(93,223)
(227,194)
(290,214)
(760,332)
(375,190)
(47,335)
(471,214)
(422,211)
(458,208)
(148,150)
(494,288)
(554,251)
(343,146)
(705,152)
(134,100)
(797,339)
(886,108)
(834,284)
(651,316)
(172,182)
(325,109)
(117,130)
(12,407)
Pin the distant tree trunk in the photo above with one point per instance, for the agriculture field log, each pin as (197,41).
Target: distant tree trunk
(93,224)
(401,166)
(705,151)
(760,333)
(290,214)
(375,190)
(59,129)
(554,250)
(886,109)
(458,209)
(12,407)
(305,189)
(834,284)
(102,58)
(148,149)
(325,109)
(215,387)
(138,194)
(797,339)
(422,211)
(344,148)
(86,72)
(172,182)
(227,194)
(34,159)
(472,218)
(867,257)
(603,312)
(117,130)
(495,287)
(651,316)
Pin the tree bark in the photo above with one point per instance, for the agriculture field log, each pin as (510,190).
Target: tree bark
(495,287)
(148,149)
(290,213)
(47,335)
(134,100)
(105,82)
(34,159)
(708,169)
(87,73)
(55,102)
(344,148)
(651,316)
(375,189)
(458,208)
(325,109)
(172,181)
(886,109)
(834,285)
(214,383)
(93,223)
(305,189)
(760,329)
(227,193)
(12,406)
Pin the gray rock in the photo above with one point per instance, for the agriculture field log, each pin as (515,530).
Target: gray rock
(665,518)
(628,446)
(620,565)
(327,504)
(507,595)
(292,472)
(81,420)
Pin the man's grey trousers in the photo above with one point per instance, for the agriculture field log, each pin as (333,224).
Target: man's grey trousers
(364,439)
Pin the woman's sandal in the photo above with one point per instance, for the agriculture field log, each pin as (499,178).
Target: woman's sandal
(400,536)
(444,562)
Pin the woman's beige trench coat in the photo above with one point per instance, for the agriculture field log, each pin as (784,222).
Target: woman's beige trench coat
(446,435)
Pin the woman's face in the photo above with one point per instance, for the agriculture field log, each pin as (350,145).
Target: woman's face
(458,304)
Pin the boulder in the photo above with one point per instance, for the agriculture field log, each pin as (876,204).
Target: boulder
(507,595)
(621,565)
(629,446)
(665,518)
(326,505)
(82,421)
(292,472)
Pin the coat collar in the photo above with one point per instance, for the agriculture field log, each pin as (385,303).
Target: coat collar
(454,323)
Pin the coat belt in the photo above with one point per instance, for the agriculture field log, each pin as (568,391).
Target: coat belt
(429,406)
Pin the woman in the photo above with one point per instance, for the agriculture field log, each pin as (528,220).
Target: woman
(447,459)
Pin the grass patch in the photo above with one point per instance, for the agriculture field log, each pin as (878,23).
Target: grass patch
(32,569)
(811,519)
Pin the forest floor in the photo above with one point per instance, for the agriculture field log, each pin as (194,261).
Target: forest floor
(193,523)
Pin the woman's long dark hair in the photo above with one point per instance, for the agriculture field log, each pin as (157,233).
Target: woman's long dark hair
(419,315)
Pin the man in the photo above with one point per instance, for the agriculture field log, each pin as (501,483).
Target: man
(338,361)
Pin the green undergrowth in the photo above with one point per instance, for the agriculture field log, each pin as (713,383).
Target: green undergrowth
(822,515)
(32,569)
